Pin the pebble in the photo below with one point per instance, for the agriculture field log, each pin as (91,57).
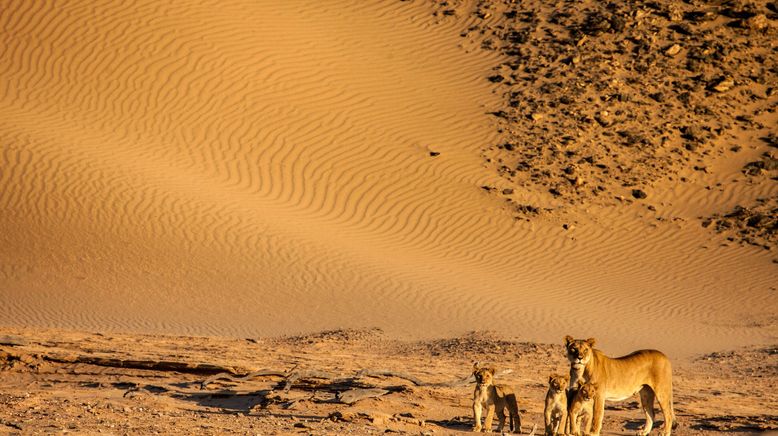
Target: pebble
(723,84)
(673,50)
(604,118)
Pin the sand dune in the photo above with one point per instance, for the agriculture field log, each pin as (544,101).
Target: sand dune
(243,168)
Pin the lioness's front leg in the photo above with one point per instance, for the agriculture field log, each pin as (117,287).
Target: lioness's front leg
(477,414)
(598,411)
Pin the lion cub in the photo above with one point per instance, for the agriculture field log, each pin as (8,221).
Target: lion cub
(582,409)
(555,412)
(494,397)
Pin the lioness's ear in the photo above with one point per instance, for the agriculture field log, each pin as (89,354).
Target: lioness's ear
(550,378)
(568,340)
(475,365)
(590,341)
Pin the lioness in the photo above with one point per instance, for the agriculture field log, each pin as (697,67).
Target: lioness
(580,416)
(493,397)
(645,371)
(555,412)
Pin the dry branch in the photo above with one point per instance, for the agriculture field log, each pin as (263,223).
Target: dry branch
(351,396)
(243,378)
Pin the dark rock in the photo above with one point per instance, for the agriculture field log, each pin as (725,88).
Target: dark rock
(700,16)
(755,220)
(745,118)
(771,139)
(639,194)
(722,84)
(658,97)
(683,29)
(517,36)
(595,24)
(497,78)
(693,133)
(434,153)
(604,118)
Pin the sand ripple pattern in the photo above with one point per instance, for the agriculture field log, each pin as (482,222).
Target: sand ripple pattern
(236,167)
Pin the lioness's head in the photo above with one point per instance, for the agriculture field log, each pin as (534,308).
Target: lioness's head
(587,391)
(558,382)
(483,376)
(579,351)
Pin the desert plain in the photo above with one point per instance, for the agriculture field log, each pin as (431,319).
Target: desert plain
(221,217)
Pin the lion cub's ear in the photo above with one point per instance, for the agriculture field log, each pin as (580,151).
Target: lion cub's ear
(566,377)
(550,378)
(590,341)
(568,340)
(491,370)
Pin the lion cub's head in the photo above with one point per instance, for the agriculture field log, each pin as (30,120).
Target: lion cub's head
(579,351)
(586,391)
(483,376)
(558,383)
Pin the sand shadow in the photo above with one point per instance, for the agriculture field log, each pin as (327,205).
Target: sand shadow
(459,423)
(230,402)
(739,424)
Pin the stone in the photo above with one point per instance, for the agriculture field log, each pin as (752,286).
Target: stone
(604,118)
(673,50)
(722,84)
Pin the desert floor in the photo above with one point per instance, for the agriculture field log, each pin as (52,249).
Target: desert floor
(55,380)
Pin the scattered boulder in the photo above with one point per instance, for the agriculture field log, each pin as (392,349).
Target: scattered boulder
(722,84)
(639,194)
(673,50)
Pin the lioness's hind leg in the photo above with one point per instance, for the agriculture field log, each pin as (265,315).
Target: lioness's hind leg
(647,402)
(666,403)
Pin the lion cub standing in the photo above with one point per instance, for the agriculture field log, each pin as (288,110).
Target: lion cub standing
(555,412)
(493,397)
(582,409)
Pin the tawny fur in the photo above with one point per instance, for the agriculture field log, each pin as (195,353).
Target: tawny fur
(581,409)
(555,412)
(647,372)
(492,397)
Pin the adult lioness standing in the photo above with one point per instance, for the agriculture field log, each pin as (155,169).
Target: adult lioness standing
(645,371)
